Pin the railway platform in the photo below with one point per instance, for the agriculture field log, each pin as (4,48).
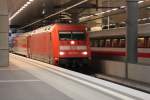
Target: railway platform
(27,79)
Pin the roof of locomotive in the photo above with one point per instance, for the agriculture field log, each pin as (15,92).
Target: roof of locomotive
(47,28)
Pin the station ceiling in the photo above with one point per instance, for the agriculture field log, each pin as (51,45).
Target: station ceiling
(42,8)
(34,11)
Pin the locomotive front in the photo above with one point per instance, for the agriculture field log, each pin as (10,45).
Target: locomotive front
(74,46)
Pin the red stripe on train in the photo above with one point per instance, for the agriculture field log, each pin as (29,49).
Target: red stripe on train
(113,53)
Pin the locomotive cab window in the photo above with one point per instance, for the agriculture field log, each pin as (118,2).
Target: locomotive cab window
(78,36)
(65,35)
(72,36)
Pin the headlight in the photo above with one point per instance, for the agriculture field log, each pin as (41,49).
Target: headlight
(61,53)
(72,42)
(85,53)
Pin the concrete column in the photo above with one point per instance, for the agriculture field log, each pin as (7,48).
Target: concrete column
(132,31)
(4,52)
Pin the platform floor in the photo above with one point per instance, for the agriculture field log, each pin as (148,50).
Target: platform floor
(17,84)
(24,80)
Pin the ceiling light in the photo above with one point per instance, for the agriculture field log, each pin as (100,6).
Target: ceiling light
(25,5)
(28,2)
(108,11)
(122,7)
(21,9)
(148,7)
(100,13)
(115,9)
(141,1)
(144,19)
(31,0)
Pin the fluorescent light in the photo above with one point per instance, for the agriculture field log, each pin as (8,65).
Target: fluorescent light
(144,18)
(115,9)
(108,11)
(141,1)
(31,0)
(25,5)
(122,7)
(103,12)
(21,9)
(54,14)
(28,2)
(100,13)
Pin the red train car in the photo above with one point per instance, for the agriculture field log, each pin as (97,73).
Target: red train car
(63,44)
(20,44)
(111,44)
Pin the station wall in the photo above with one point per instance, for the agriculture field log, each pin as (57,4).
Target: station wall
(136,72)
(139,72)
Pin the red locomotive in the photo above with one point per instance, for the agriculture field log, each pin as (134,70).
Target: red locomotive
(58,44)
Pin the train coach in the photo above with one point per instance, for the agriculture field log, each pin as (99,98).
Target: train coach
(58,44)
(111,44)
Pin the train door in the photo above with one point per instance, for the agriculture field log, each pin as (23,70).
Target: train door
(29,46)
(148,42)
(51,58)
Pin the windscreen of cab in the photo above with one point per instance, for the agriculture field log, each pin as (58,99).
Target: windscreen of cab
(76,35)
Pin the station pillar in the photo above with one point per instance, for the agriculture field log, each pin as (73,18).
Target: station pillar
(4,52)
(132,31)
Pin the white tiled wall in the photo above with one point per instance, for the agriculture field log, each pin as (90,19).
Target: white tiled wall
(139,72)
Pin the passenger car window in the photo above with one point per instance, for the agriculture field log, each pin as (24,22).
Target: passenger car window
(140,42)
